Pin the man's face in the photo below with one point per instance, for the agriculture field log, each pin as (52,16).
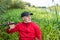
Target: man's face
(27,18)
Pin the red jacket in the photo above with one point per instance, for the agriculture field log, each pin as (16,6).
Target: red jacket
(27,31)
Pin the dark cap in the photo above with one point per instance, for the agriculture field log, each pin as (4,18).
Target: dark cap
(25,13)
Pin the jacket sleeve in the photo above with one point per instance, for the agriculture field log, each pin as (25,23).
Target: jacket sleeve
(38,32)
(12,30)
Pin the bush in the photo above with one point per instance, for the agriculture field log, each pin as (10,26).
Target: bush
(4,5)
(7,4)
(17,4)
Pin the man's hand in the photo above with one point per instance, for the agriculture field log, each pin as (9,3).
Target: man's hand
(11,25)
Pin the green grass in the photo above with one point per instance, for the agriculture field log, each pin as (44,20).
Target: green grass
(47,22)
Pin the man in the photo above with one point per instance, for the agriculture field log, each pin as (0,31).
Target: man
(27,29)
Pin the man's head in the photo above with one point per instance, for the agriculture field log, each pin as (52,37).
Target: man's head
(26,16)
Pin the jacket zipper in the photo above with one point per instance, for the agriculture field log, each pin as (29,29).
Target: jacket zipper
(26,31)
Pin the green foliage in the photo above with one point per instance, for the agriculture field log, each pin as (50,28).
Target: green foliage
(4,5)
(17,4)
(56,6)
(47,22)
(9,4)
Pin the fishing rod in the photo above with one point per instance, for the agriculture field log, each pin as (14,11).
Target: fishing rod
(7,24)
(10,23)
